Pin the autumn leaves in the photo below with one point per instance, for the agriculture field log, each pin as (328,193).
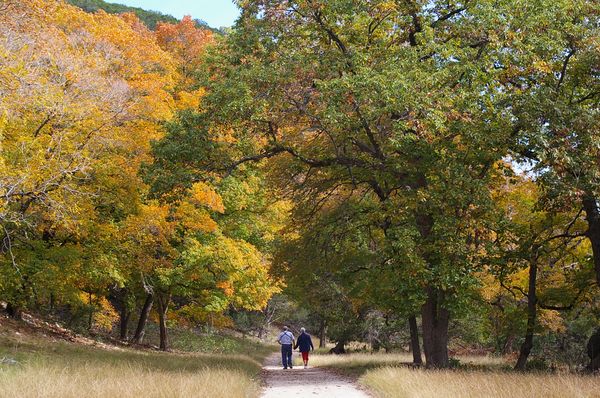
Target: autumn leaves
(82,98)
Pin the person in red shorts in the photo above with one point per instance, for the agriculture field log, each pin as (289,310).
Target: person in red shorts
(304,344)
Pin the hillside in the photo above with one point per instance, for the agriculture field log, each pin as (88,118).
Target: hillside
(150,18)
(40,358)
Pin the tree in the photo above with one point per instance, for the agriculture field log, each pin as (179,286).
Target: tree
(556,106)
(186,42)
(330,86)
(82,101)
(541,259)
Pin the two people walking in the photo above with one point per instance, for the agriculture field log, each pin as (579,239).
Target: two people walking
(303,344)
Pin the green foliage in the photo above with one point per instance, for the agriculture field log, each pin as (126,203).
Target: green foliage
(149,18)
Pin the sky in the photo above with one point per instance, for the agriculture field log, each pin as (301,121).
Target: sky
(217,13)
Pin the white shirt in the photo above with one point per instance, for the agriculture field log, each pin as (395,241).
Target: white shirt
(286,337)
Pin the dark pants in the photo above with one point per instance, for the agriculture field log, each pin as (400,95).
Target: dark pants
(286,355)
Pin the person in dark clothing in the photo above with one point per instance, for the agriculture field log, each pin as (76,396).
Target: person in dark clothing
(304,344)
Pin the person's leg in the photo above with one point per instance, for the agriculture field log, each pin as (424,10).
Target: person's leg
(283,357)
(305,358)
(290,357)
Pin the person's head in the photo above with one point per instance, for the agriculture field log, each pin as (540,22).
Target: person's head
(302,330)
(285,328)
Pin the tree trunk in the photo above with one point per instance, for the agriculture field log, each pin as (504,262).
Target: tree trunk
(14,311)
(531,318)
(592,215)
(124,316)
(339,348)
(435,319)
(118,298)
(322,337)
(593,351)
(162,303)
(507,348)
(415,346)
(91,314)
(138,337)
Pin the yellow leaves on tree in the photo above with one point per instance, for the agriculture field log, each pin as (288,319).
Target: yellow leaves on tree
(234,268)
(192,218)
(148,236)
(203,195)
(103,314)
(81,96)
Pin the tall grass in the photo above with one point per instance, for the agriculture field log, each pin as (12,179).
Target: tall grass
(358,363)
(47,368)
(388,376)
(39,379)
(407,383)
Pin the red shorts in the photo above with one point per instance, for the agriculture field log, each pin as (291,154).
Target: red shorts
(305,356)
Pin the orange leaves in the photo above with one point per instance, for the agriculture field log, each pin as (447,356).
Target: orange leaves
(226,287)
(203,195)
(186,43)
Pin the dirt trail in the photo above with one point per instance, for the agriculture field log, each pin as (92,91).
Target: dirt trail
(300,382)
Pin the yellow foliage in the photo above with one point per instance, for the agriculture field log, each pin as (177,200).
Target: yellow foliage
(552,320)
(81,95)
(104,315)
(194,219)
(203,195)
(189,100)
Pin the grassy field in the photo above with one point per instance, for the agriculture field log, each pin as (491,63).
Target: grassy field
(399,382)
(37,366)
(388,375)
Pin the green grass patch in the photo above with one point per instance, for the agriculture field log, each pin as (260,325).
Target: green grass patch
(218,343)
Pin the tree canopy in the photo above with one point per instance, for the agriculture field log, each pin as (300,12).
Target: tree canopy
(432,162)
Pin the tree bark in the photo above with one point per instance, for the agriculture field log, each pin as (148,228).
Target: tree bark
(162,303)
(531,318)
(138,337)
(592,215)
(14,311)
(415,346)
(322,328)
(118,298)
(91,314)
(124,316)
(339,348)
(593,351)
(435,319)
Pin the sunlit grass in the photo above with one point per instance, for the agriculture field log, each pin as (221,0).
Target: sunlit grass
(356,360)
(48,368)
(390,375)
(364,361)
(398,382)
(60,379)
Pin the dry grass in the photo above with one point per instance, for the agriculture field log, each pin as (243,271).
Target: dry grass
(387,376)
(93,380)
(50,368)
(360,360)
(403,382)
(357,363)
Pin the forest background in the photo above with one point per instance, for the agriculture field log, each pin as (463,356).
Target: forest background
(404,170)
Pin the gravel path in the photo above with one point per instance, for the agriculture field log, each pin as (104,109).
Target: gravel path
(300,382)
